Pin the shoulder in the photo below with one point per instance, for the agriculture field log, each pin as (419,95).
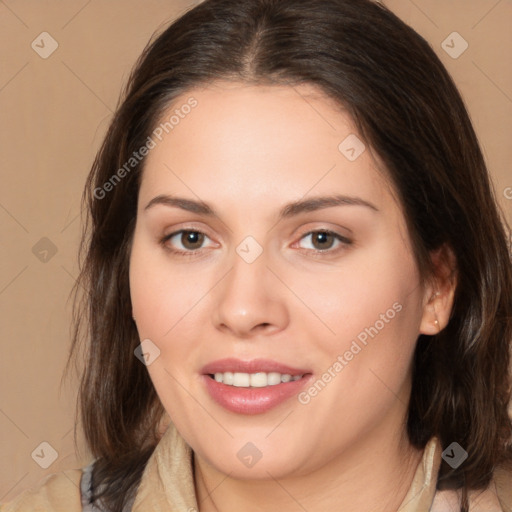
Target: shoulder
(497,497)
(503,485)
(59,492)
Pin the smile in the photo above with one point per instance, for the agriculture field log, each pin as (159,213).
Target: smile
(254,380)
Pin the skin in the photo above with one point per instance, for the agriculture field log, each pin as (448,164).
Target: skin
(248,151)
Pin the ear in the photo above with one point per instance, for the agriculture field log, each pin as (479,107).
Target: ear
(440,291)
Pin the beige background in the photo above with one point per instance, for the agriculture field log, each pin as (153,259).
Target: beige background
(54,113)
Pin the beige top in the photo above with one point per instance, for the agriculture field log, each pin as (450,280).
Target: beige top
(167,485)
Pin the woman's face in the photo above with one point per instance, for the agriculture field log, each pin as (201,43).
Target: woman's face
(260,279)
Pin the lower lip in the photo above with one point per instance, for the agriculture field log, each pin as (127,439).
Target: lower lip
(253,400)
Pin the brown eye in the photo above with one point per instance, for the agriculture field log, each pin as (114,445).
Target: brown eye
(185,242)
(192,240)
(322,240)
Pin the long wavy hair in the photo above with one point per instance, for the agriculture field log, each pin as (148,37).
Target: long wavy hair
(408,110)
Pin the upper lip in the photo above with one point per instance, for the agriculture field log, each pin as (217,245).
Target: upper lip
(253,366)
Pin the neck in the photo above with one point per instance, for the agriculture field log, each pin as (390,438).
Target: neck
(373,474)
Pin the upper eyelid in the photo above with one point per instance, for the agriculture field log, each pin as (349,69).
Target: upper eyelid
(306,232)
(182,230)
(189,227)
(186,227)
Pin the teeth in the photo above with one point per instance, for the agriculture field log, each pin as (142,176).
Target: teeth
(254,380)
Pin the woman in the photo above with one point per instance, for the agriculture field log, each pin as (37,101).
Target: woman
(299,288)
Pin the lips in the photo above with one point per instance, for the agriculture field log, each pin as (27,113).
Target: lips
(253,400)
(253,366)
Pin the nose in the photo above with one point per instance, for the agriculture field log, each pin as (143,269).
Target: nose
(250,300)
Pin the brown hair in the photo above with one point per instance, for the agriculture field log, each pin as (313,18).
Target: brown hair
(410,113)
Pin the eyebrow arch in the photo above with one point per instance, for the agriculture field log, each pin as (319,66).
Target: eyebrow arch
(289,210)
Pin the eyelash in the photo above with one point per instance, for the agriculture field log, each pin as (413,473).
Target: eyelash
(344,242)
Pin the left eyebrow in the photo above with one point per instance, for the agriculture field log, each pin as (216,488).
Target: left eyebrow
(318,203)
(289,210)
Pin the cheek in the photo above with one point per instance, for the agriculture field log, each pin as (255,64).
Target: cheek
(368,295)
(161,298)
(375,312)
(373,307)
(161,293)
(167,303)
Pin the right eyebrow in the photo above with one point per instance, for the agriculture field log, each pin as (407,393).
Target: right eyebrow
(189,205)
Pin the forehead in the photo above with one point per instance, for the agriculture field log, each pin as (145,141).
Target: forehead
(251,141)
